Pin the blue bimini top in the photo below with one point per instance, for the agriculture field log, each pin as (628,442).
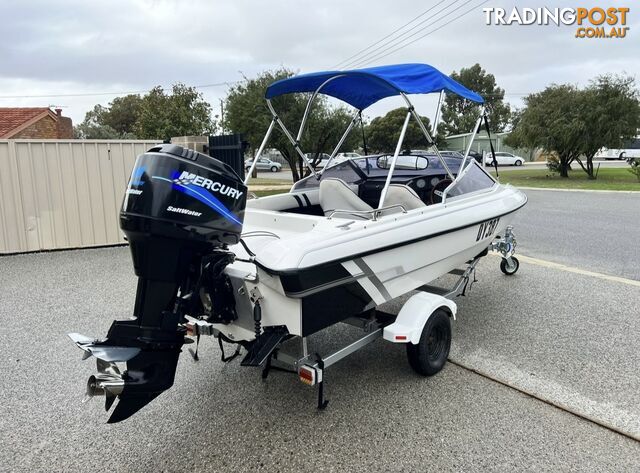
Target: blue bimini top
(361,88)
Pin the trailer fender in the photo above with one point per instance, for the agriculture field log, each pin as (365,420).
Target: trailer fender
(414,315)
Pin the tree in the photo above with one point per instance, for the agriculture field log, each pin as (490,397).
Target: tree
(611,115)
(122,114)
(459,115)
(93,127)
(552,120)
(246,112)
(383,132)
(157,115)
(575,124)
(323,132)
(179,113)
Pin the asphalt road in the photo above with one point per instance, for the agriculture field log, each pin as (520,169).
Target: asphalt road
(595,231)
(568,338)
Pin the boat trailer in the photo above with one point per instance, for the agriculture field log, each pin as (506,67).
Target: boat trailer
(407,327)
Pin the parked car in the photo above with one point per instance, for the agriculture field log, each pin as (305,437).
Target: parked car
(263,164)
(504,159)
(629,151)
(340,157)
(451,154)
(477,155)
(322,159)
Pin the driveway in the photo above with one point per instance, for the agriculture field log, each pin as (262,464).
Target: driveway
(565,338)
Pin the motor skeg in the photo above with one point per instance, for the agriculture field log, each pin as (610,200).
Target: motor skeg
(180,211)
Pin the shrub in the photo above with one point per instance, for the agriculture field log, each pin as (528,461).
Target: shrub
(553,163)
(635,167)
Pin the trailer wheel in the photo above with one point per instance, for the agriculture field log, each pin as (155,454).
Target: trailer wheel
(430,354)
(509,269)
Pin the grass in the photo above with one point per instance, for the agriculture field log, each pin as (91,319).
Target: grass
(261,181)
(617,179)
(270,192)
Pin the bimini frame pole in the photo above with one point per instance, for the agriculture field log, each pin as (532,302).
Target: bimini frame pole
(425,132)
(383,195)
(473,137)
(344,137)
(436,119)
(445,193)
(264,143)
(309,103)
(295,144)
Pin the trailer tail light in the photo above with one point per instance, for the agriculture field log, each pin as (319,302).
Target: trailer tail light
(310,375)
(191,329)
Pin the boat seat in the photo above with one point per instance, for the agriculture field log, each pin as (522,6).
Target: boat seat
(285,201)
(399,194)
(335,194)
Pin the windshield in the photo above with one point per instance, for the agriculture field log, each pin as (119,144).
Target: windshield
(474,179)
(344,170)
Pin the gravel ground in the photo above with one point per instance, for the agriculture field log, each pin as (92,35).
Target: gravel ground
(223,417)
(565,337)
(555,335)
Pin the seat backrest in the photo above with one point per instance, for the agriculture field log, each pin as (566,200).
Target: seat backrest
(399,194)
(288,200)
(335,194)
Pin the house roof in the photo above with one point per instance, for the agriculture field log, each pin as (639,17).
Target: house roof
(14,119)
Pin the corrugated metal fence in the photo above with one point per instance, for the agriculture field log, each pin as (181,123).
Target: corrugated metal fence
(63,193)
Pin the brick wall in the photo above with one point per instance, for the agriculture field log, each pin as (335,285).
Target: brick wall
(45,128)
(65,128)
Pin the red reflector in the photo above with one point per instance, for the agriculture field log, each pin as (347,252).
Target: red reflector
(401,337)
(190,329)
(307,376)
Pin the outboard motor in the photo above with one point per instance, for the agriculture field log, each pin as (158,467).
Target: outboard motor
(180,211)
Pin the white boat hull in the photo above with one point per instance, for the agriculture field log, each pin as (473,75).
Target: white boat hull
(315,274)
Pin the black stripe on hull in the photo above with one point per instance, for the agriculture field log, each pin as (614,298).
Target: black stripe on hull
(312,278)
(323,309)
(297,282)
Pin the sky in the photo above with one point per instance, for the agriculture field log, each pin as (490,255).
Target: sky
(80,53)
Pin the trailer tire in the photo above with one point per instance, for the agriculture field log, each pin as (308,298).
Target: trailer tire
(430,354)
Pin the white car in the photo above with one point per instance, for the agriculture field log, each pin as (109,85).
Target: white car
(504,159)
(340,157)
(263,164)
(322,160)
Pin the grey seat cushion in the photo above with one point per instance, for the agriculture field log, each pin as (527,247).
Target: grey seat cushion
(399,194)
(335,194)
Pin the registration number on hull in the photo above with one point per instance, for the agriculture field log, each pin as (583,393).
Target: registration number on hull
(487,228)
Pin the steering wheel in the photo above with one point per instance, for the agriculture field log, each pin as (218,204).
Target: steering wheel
(437,191)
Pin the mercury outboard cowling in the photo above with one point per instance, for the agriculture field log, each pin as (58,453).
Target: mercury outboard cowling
(180,211)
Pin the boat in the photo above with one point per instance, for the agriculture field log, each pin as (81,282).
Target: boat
(260,273)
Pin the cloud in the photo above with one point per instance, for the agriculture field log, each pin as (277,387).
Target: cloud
(76,46)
